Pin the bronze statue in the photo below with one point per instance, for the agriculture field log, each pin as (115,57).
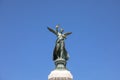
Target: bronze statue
(59,51)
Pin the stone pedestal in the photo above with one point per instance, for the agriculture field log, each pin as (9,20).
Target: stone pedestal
(60,75)
(60,72)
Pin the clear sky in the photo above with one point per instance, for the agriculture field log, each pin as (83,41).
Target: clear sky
(26,45)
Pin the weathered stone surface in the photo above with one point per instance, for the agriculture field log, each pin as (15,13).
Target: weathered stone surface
(60,75)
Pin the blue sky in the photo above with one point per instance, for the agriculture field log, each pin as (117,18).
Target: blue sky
(26,45)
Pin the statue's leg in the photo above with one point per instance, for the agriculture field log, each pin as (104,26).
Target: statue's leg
(58,50)
(62,51)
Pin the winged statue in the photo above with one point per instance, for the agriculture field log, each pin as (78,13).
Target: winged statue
(60,51)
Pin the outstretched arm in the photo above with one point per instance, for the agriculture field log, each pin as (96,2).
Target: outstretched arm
(57,26)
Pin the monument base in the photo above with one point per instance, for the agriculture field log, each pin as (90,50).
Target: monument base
(60,72)
(60,75)
(60,63)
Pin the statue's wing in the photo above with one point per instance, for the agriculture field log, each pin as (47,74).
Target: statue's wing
(53,31)
(68,33)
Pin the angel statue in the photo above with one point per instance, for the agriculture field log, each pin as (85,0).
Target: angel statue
(59,51)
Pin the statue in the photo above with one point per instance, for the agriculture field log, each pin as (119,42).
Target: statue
(59,51)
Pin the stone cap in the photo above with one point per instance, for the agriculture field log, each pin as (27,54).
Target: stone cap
(60,75)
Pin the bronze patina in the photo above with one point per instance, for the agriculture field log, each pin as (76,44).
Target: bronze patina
(60,51)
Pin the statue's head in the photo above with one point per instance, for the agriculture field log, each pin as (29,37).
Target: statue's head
(61,30)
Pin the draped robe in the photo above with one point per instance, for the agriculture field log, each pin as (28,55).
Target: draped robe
(59,50)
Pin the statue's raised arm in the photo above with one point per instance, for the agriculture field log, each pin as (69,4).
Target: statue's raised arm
(53,31)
